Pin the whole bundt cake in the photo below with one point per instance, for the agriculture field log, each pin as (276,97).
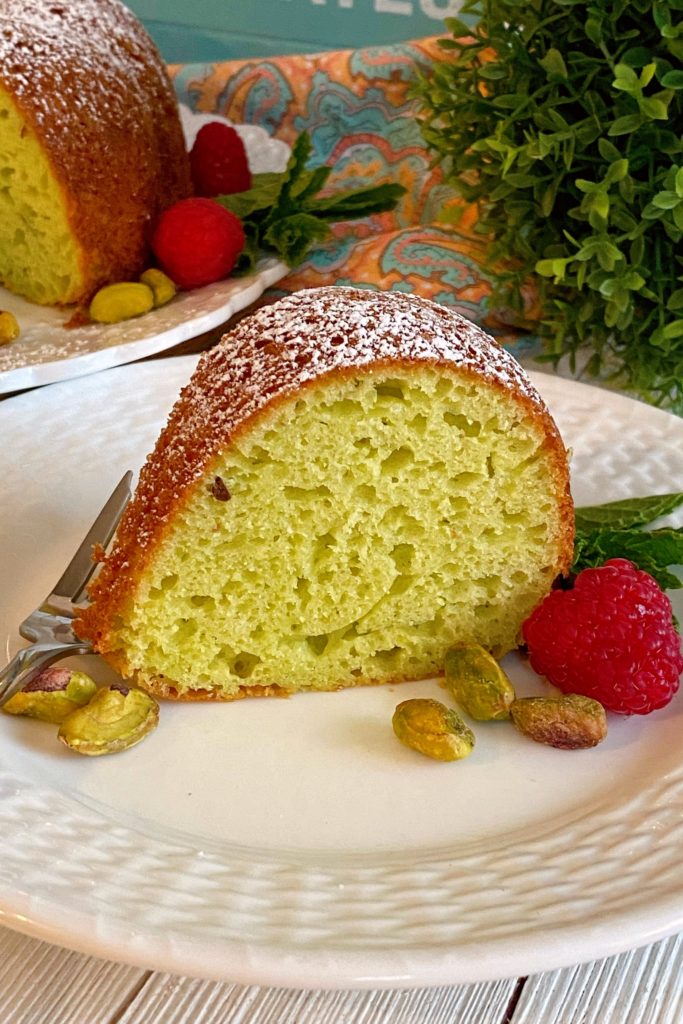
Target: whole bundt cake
(91,147)
(350,483)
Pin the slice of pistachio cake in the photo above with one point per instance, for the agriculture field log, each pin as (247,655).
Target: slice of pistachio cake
(351,482)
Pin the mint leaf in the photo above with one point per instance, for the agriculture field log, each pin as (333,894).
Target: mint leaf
(358,203)
(247,259)
(291,237)
(652,551)
(615,530)
(299,184)
(309,184)
(301,151)
(263,195)
(627,513)
(281,214)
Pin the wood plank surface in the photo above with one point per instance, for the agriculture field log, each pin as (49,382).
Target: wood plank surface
(644,986)
(44,984)
(181,1001)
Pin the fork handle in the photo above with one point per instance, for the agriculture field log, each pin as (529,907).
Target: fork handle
(28,662)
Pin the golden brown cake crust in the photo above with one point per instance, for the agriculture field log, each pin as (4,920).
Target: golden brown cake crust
(275,353)
(167,690)
(91,85)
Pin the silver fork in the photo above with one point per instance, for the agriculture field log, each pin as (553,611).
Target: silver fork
(49,626)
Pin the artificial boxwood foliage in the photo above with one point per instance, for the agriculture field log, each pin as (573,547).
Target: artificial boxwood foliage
(563,121)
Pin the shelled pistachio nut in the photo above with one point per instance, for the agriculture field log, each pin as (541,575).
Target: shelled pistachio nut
(163,288)
(116,718)
(122,301)
(477,683)
(9,327)
(570,722)
(432,729)
(52,695)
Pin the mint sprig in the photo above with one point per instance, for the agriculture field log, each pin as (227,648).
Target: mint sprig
(628,512)
(617,530)
(283,213)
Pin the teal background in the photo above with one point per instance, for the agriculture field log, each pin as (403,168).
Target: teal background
(210,30)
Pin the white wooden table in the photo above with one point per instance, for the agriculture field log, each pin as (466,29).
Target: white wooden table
(44,984)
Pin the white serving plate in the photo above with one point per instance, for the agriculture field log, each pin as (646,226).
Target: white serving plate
(296,842)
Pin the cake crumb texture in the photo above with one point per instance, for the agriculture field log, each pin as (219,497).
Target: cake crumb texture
(350,483)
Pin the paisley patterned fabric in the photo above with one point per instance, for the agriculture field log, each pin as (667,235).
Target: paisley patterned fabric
(360,112)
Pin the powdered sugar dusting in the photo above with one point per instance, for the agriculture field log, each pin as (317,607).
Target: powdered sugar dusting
(293,342)
(350,327)
(317,331)
(56,56)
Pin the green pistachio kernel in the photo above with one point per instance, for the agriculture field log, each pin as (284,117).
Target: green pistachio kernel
(52,695)
(9,327)
(477,682)
(163,288)
(116,718)
(116,302)
(570,722)
(432,729)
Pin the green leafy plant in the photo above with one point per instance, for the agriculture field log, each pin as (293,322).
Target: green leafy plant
(563,121)
(283,213)
(616,530)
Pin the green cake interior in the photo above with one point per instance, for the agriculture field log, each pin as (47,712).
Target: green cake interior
(370,523)
(38,258)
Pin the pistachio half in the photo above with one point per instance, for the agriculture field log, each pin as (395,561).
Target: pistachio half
(116,718)
(163,288)
(9,327)
(570,722)
(52,695)
(121,301)
(478,683)
(432,729)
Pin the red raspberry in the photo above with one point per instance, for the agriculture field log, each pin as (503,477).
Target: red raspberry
(197,241)
(218,161)
(611,637)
